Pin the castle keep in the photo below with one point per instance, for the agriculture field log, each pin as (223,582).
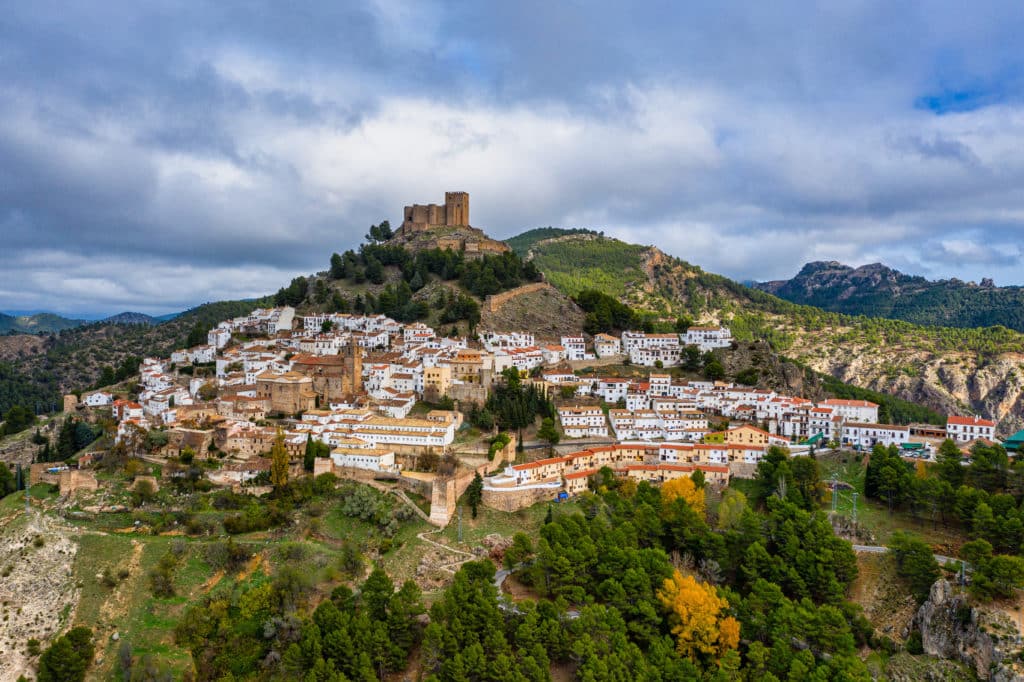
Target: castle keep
(455,212)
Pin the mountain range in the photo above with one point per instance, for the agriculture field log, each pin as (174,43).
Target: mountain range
(38,323)
(877,290)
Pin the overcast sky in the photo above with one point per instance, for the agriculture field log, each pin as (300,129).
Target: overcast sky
(154,158)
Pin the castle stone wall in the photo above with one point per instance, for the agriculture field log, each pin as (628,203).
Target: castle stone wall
(495,301)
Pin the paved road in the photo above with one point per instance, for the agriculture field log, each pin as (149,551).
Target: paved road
(574,443)
(879,549)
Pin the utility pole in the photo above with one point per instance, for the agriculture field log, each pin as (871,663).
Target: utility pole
(855,509)
(835,493)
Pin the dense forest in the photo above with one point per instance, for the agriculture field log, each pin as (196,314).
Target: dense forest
(985,500)
(640,585)
(878,291)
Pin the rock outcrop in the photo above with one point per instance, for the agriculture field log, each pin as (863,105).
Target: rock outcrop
(984,639)
(37,589)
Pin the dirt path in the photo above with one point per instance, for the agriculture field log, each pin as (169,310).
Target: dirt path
(450,567)
(116,604)
(211,582)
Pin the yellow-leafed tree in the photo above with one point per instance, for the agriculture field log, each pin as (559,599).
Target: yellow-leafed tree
(696,615)
(683,487)
(279,462)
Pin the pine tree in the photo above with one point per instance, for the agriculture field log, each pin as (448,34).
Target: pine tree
(309,457)
(474,493)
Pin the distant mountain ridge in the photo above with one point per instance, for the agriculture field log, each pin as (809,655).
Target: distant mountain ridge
(877,290)
(130,318)
(41,323)
(34,324)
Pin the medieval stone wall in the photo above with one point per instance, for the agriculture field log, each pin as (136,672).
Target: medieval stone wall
(517,499)
(495,301)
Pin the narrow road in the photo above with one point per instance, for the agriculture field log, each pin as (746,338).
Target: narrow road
(879,549)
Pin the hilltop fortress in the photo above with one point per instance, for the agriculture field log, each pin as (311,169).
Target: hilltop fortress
(455,212)
(446,227)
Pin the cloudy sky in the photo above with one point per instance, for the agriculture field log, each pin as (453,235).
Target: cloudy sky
(154,158)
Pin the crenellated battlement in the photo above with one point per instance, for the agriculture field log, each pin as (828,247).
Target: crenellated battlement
(454,212)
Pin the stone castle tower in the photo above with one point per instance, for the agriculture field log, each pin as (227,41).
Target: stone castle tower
(455,212)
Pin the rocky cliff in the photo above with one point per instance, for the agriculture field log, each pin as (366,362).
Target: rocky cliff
(984,639)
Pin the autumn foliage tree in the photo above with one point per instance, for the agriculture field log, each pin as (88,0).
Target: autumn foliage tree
(684,488)
(696,613)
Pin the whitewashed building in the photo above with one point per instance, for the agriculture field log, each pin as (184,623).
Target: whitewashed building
(583,422)
(963,429)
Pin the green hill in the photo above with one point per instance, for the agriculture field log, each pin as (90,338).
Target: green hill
(521,243)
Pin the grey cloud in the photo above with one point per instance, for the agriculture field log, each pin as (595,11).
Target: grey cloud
(938,147)
(231,146)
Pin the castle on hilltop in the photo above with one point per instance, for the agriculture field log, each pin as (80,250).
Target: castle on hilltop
(447,227)
(421,217)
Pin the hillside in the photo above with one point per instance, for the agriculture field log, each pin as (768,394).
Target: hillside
(879,291)
(132,318)
(36,370)
(35,324)
(948,369)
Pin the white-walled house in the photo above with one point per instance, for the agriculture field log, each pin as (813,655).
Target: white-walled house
(852,410)
(581,422)
(606,345)
(553,354)
(371,459)
(612,390)
(963,429)
(708,338)
(493,341)
(98,399)
(869,435)
(219,337)
(575,347)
